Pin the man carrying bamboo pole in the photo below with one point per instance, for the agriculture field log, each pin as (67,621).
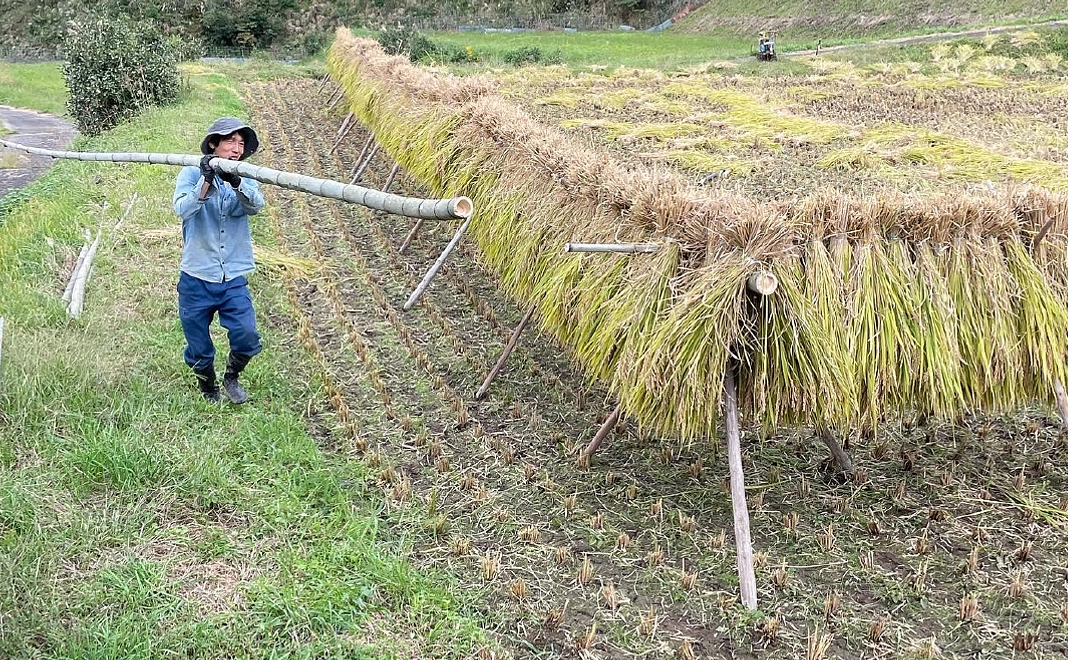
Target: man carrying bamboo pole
(216,257)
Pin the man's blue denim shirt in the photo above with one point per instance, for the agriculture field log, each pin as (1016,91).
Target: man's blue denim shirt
(216,240)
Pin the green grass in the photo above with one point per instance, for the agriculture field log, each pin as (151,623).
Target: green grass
(841,21)
(34,86)
(662,50)
(136,520)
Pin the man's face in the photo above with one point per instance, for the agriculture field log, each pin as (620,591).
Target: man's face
(231,147)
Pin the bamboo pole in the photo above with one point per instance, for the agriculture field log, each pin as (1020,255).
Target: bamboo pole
(603,432)
(411,236)
(611,247)
(412,207)
(414,298)
(508,348)
(77,266)
(742,541)
(363,166)
(77,298)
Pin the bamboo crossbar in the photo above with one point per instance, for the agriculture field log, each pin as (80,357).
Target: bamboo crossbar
(412,207)
(611,247)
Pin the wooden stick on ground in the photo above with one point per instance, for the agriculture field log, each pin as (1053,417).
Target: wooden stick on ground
(508,348)
(742,541)
(603,432)
(414,298)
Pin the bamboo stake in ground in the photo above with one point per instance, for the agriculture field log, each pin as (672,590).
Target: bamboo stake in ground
(509,347)
(742,541)
(603,432)
(414,298)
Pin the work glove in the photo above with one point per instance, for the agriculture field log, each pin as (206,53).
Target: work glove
(233,179)
(206,171)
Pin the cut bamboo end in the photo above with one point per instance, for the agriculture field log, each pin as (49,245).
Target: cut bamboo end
(462,207)
(612,247)
(763,283)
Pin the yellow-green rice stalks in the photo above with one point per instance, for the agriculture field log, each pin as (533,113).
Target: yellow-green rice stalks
(885,304)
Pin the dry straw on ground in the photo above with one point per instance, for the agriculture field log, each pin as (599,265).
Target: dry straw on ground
(936,305)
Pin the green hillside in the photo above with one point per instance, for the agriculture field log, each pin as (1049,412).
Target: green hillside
(838,19)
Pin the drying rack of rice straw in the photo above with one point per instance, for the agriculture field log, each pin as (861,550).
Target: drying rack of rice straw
(698,308)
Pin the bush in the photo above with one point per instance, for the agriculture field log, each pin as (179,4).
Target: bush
(114,70)
(252,24)
(419,48)
(531,55)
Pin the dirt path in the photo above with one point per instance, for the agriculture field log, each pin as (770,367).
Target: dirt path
(32,129)
(931,38)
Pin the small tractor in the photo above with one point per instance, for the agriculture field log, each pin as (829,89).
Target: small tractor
(766,48)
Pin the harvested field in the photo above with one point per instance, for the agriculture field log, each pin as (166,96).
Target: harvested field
(949,540)
(909,127)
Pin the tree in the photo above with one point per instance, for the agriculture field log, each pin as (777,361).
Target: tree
(115,69)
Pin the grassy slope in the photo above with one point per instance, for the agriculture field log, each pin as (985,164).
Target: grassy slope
(36,86)
(146,521)
(838,20)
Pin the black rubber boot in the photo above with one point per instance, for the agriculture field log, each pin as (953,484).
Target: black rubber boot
(208,387)
(234,365)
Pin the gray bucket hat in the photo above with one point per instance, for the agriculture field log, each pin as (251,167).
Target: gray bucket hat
(225,126)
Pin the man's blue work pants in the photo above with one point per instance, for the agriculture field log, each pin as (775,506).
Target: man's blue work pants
(198,302)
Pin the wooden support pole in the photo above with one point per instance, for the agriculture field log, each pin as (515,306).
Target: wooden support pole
(508,348)
(1058,387)
(411,236)
(414,298)
(1,344)
(1062,401)
(345,128)
(392,175)
(363,152)
(322,82)
(337,99)
(364,164)
(603,432)
(742,541)
(845,464)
